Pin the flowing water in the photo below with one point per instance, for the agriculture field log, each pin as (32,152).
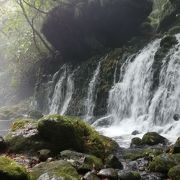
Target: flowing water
(91,95)
(132,106)
(63,91)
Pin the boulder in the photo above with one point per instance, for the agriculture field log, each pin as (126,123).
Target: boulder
(82,162)
(109,173)
(10,170)
(153,138)
(56,169)
(174,172)
(136,142)
(135,132)
(113,162)
(44,154)
(90,176)
(176,147)
(163,163)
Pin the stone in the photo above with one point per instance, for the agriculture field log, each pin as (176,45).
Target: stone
(108,173)
(129,175)
(90,176)
(136,142)
(153,138)
(176,117)
(59,169)
(135,132)
(176,147)
(82,162)
(174,172)
(113,162)
(44,154)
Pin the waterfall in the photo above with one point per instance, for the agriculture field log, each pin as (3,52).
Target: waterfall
(133,106)
(63,91)
(130,97)
(91,95)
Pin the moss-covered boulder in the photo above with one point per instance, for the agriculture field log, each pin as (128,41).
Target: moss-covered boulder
(174,172)
(10,170)
(136,142)
(153,138)
(57,133)
(82,162)
(164,163)
(56,169)
(73,133)
(176,147)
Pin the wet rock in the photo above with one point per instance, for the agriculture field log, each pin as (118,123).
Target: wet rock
(164,162)
(152,176)
(3,145)
(56,169)
(113,162)
(44,154)
(176,147)
(82,162)
(174,172)
(133,165)
(176,117)
(10,170)
(90,176)
(135,132)
(136,142)
(128,175)
(108,173)
(153,138)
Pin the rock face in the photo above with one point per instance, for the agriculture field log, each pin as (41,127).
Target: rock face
(176,148)
(78,28)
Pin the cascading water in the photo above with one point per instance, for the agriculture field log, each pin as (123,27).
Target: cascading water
(132,106)
(62,94)
(91,96)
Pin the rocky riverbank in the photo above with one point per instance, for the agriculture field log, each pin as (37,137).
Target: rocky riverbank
(62,147)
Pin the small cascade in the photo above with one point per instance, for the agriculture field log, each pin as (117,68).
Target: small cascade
(62,93)
(91,96)
(133,106)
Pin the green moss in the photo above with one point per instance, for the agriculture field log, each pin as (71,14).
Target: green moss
(164,162)
(10,170)
(59,168)
(174,172)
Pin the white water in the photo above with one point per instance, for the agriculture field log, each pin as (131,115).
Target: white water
(132,106)
(91,95)
(62,92)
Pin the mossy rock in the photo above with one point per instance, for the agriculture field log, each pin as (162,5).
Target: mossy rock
(174,172)
(126,175)
(176,147)
(164,163)
(82,162)
(136,142)
(10,170)
(72,133)
(57,169)
(134,154)
(153,138)
(113,162)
